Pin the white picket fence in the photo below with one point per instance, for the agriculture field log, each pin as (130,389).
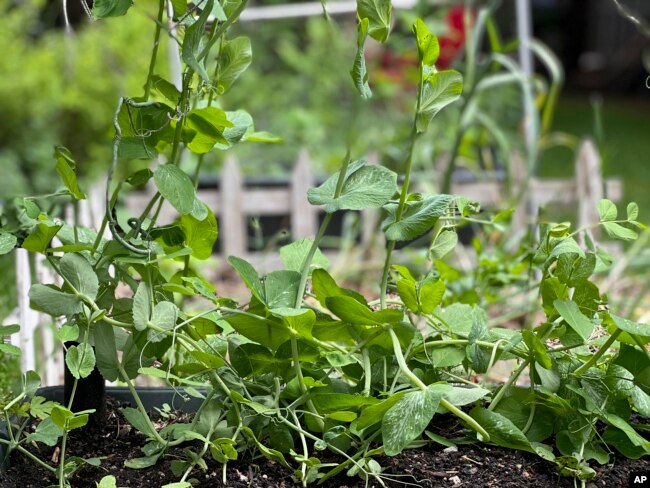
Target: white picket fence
(234,203)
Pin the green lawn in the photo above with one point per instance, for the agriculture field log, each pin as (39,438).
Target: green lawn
(626,143)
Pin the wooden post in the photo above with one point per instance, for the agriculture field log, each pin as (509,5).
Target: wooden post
(27,318)
(304,222)
(589,185)
(233,223)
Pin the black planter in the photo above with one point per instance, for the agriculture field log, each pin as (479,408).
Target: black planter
(151,398)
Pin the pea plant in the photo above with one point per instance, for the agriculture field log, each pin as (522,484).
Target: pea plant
(307,368)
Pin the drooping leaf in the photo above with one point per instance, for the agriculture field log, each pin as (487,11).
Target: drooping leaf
(176,187)
(293,256)
(39,239)
(7,242)
(406,420)
(350,310)
(51,300)
(234,58)
(192,44)
(65,167)
(164,317)
(502,431)
(444,243)
(200,235)
(364,187)
(359,72)
(242,123)
(440,89)
(106,351)
(79,273)
(417,217)
(110,8)
(324,287)
(640,330)
(142,305)
(428,47)
(80,360)
(378,13)
(577,321)
(249,275)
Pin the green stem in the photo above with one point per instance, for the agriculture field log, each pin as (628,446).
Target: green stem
(485,437)
(301,381)
(41,463)
(154,50)
(593,360)
(504,389)
(222,28)
(154,433)
(399,356)
(62,458)
(383,287)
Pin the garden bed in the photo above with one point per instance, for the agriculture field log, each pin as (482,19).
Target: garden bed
(480,465)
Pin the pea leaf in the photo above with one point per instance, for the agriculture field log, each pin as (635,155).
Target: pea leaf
(364,187)
(607,210)
(241,122)
(632,211)
(51,300)
(537,347)
(617,231)
(324,286)
(79,273)
(641,330)
(200,235)
(65,167)
(502,431)
(192,44)
(577,321)
(7,242)
(378,13)
(440,89)
(293,256)
(106,351)
(80,360)
(444,243)
(39,239)
(110,8)
(406,420)
(164,317)
(359,71)
(428,47)
(351,311)
(249,275)
(234,58)
(417,218)
(176,187)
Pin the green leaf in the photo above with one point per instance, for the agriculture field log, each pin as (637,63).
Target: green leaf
(192,44)
(137,420)
(65,167)
(444,243)
(459,396)
(207,126)
(430,293)
(440,89)
(632,211)
(448,356)
(80,360)
(79,273)
(47,432)
(142,305)
(537,347)
(142,462)
(293,256)
(67,333)
(7,242)
(577,321)
(140,178)
(175,187)
(200,235)
(607,210)
(374,413)
(270,332)
(502,431)
(364,187)
(234,58)
(359,72)
(378,13)
(298,321)
(417,218)
(249,275)
(110,8)
(164,317)
(617,231)
(641,330)
(49,299)
(281,288)
(107,482)
(241,122)
(351,311)
(106,351)
(39,239)
(333,402)
(406,420)
(428,47)
(324,287)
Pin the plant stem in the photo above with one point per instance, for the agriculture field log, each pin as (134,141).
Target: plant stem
(301,381)
(504,389)
(593,360)
(41,463)
(399,356)
(154,50)
(485,437)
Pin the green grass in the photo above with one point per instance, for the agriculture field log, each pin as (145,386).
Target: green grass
(626,143)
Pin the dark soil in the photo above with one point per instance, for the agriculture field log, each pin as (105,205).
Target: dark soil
(432,466)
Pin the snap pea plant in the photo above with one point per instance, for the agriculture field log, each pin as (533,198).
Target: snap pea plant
(306,365)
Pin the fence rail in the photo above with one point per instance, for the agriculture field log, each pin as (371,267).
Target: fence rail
(235,203)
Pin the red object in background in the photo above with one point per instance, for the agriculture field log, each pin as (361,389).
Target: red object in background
(453,41)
